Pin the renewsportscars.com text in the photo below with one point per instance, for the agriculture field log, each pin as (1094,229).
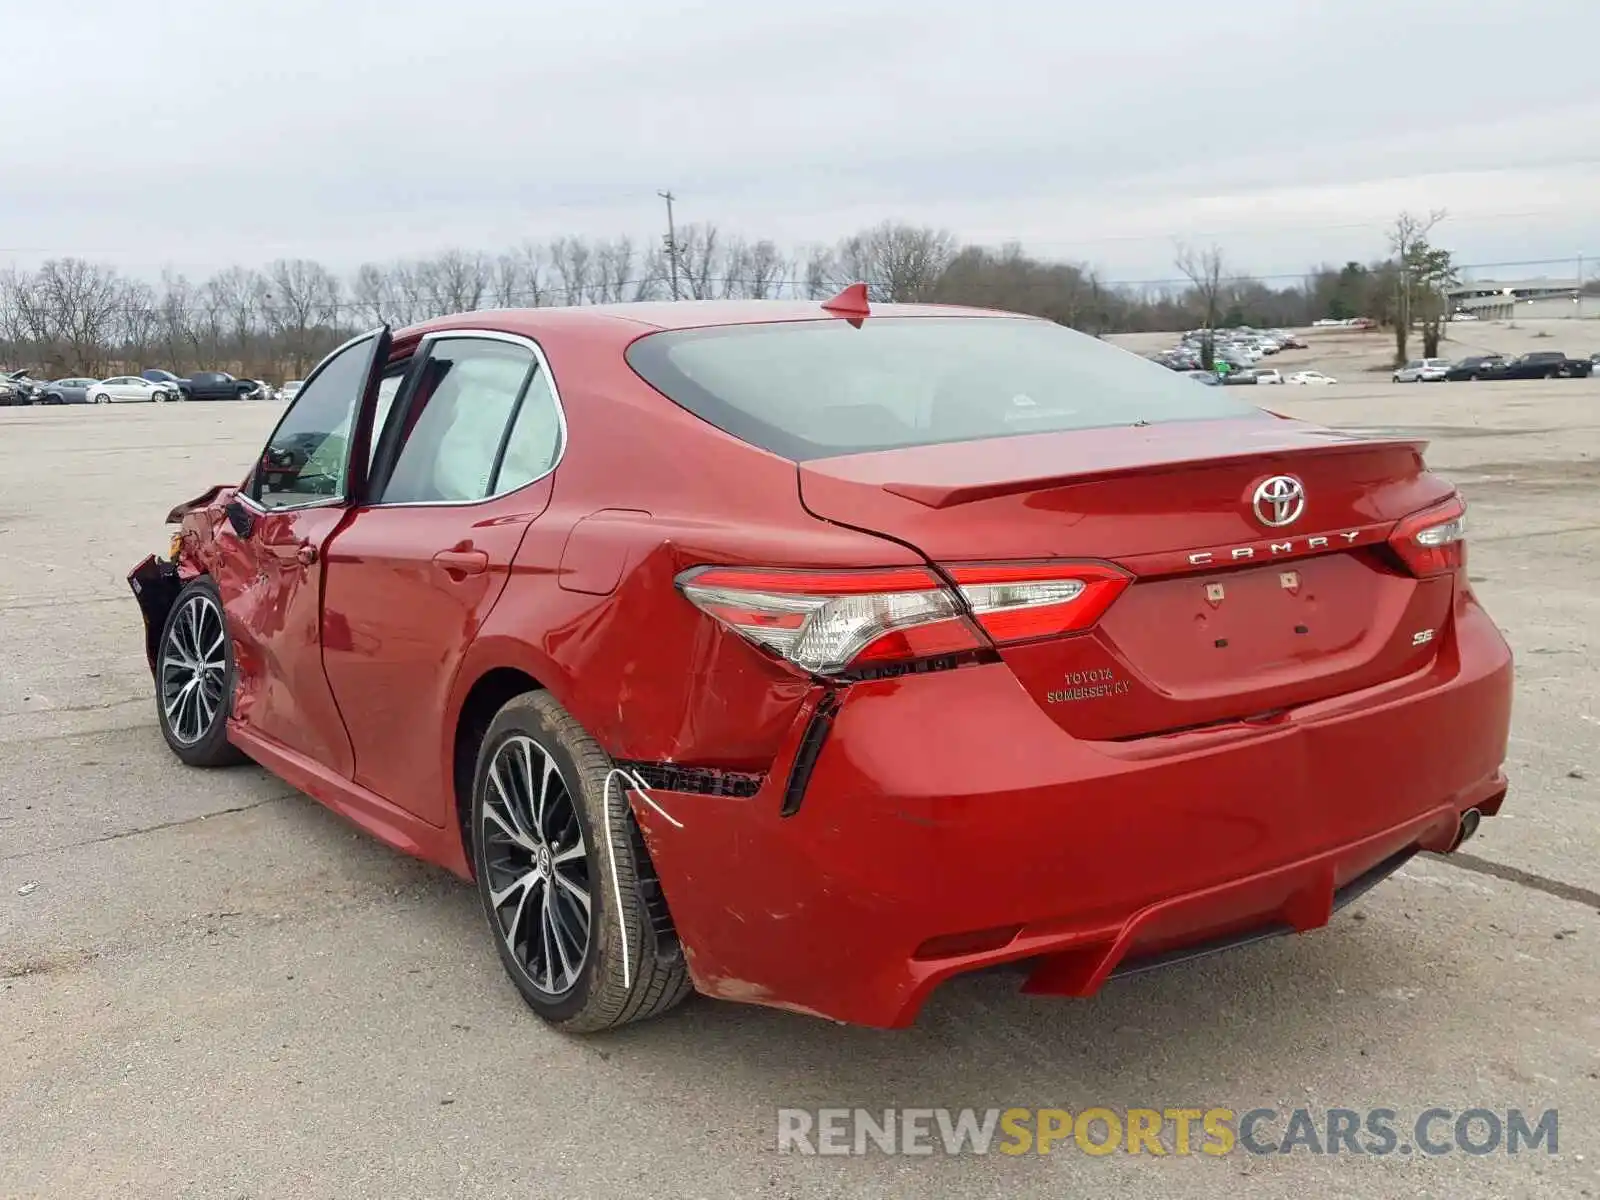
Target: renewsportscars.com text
(1177,1132)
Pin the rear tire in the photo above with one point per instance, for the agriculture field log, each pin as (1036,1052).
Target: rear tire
(195,677)
(539,809)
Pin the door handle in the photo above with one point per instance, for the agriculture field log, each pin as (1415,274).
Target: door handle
(460,563)
(301,552)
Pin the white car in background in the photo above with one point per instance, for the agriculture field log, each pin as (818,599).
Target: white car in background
(1423,370)
(290,389)
(1269,375)
(131,389)
(1311,378)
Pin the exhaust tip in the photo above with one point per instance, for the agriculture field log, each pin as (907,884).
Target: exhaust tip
(1469,826)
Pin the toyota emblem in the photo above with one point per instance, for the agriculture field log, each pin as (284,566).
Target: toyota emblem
(1279,501)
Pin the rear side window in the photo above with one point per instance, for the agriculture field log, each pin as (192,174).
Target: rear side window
(812,389)
(467,392)
(535,439)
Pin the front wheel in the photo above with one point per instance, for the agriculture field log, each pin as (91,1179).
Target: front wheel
(101,398)
(565,880)
(194,678)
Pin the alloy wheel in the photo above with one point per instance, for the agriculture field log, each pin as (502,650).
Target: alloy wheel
(194,669)
(537,866)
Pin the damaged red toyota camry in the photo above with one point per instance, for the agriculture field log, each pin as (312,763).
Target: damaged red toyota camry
(811,654)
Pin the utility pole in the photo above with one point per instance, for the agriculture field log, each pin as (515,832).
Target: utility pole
(1579,297)
(672,243)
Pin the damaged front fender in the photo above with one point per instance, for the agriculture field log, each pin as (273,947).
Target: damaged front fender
(156,583)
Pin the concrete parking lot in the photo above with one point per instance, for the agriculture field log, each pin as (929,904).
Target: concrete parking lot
(211,987)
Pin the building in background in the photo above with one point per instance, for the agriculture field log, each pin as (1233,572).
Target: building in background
(1496,299)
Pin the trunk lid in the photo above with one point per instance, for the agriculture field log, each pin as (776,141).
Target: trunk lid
(1228,617)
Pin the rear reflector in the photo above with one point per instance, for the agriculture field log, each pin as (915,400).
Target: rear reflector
(826,622)
(1434,540)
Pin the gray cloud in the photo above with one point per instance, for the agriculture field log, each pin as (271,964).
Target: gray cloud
(201,133)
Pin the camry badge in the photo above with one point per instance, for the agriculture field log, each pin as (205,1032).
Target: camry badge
(1279,501)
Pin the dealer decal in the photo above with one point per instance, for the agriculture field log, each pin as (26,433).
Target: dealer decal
(1098,684)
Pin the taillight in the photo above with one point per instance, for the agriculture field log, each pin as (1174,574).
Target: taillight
(826,622)
(1433,541)
(1020,602)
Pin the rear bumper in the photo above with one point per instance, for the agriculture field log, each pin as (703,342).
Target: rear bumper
(948,825)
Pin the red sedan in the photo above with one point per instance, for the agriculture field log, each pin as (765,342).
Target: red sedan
(809,655)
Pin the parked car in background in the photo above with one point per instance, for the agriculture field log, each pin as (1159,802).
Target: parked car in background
(1269,376)
(1209,378)
(290,389)
(219,385)
(157,375)
(18,387)
(1478,366)
(1423,370)
(126,389)
(65,391)
(1543,364)
(1311,379)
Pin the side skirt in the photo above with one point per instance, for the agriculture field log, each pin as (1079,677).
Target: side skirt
(371,812)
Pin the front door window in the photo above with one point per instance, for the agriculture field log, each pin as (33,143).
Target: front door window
(307,458)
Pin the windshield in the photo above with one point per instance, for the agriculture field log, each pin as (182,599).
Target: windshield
(812,389)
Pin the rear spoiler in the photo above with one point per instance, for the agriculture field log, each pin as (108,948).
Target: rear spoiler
(938,495)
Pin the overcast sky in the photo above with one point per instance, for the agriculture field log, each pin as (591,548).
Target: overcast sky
(192,134)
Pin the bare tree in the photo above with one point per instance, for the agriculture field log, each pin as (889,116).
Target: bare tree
(16,333)
(572,259)
(1204,271)
(505,284)
(1407,235)
(302,308)
(78,304)
(370,296)
(653,276)
(614,269)
(236,295)
(455,282)
(756,270)
(1009,279)
(141,324)
(821,271)
(897,262)
(702,269)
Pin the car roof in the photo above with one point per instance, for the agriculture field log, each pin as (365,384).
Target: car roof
(625,322)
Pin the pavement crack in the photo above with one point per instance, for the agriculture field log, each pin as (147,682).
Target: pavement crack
(1528,879)
(142,830)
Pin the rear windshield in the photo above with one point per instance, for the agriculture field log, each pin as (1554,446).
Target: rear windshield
(813,389)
